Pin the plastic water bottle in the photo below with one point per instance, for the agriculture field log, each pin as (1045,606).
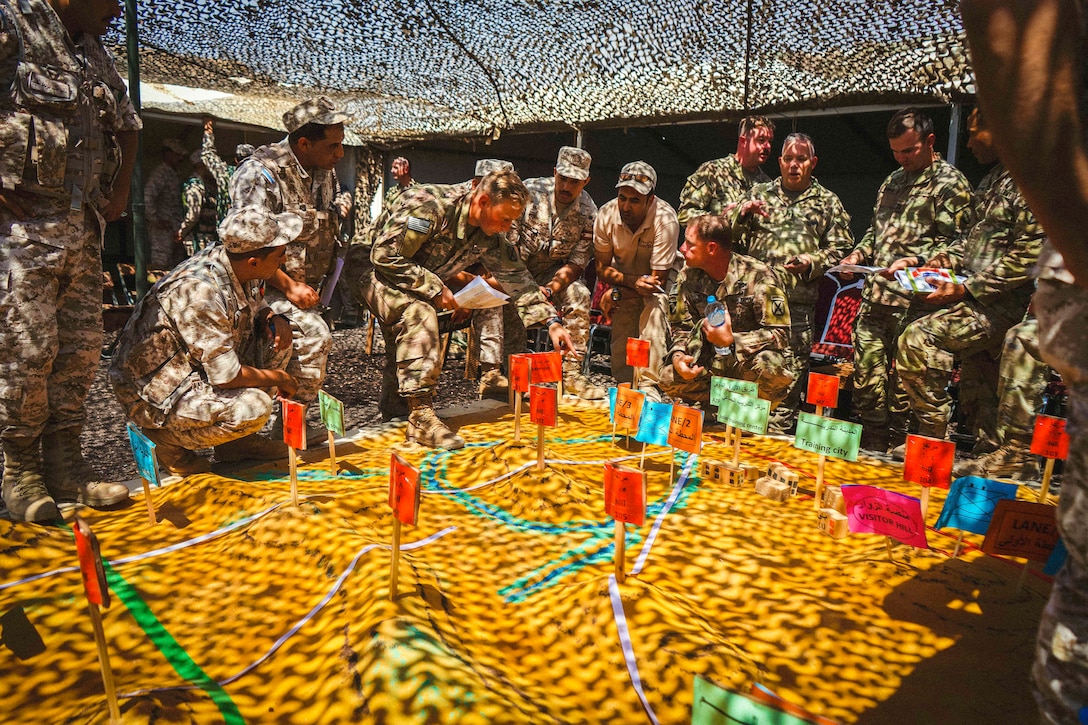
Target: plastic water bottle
(715,315)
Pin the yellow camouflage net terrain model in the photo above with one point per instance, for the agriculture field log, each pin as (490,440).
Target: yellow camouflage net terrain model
(239,607)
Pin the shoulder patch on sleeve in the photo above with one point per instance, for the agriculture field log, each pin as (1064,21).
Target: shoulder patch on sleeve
(423,226)
(777,311)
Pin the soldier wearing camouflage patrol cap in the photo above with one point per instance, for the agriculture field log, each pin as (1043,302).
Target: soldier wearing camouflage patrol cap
(801,229)
(431,234)
(554,237)
(634,246)
(69,135)
(920,208)
(220,170)
(201,359)
(719,183)
(297,175)
(756,333)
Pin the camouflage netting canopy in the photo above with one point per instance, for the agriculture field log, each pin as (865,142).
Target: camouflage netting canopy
(455,68)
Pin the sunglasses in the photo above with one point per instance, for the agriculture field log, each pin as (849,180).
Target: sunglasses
(637,177)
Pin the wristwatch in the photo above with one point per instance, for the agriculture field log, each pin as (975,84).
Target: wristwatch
(616,296)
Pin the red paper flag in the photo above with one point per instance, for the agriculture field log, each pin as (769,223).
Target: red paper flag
(294,423)
(547,367)
(521,367)
(625,494)
(403,490)
(928,461)
(1022,528)
(628,409)
(686,428)
(90,564)
(823,390)
(542,405)
(1050,439)
(638,352)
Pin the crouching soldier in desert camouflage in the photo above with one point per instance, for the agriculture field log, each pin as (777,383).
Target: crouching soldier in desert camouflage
(68,136)
(430,234)
(198,364)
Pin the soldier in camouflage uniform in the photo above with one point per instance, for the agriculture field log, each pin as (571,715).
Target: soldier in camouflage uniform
(162,196)
(921,208)
(401,171)
(199,362)
(719,183)
(756,331)
(801,229)
(634,244)
(297,175)
(431,234)
(996,254)
(55,199)
(200,207)
(221,171)
(555,239)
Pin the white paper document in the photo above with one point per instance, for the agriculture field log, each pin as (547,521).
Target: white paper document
(479,295)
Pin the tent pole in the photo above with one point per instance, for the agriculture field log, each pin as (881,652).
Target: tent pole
(954,133)
(139,218)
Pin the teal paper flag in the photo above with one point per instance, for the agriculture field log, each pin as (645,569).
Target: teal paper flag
(653,426)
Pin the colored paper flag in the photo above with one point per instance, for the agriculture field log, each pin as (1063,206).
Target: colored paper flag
(716,706)
(653,424)
(719,386)
(404,490)
(521,367)
(294,423)
(686,429)
(1050,439)
(332,412)
(625,494)
(638,352)
(612,405)
(542,405)
(745,412)
(1022,528)
(823,390)
(547,367)
(628,409)
(971,502)
(829,436)
(1057,558)
(928,461)
(872,510)
(90,564)
(143,450)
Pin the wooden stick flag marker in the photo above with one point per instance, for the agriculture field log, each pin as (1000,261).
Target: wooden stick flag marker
(624,501)
(404,492)
(143,450)
(542,411)
(826,437)
(685,433)
(928,462)
(1022,528)
(332,416)
(628,413)
(1051,441)
(638,357)
(521,373)
(294,435)
(98,595)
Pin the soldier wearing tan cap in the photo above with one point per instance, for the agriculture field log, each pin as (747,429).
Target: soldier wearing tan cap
(296,175)
(162,197)
(201,359)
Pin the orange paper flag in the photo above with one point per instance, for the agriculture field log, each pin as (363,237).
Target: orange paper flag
(625,494)
(628,409)
(90,564)
(1050,439)
(547,367)
(403,490)
(521,367)
(542,405)
(823,390)
(294,423)
(686,428)
(638,352)
(928,461)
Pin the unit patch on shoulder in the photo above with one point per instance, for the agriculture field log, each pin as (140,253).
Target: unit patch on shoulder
(777,311)
(423,226)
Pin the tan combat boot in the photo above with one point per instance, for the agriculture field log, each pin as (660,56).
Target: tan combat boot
(1012,460)
(69,477)
(24,490)
(493,384)
(175,459)
(575,383)
(251,448)
(425,428)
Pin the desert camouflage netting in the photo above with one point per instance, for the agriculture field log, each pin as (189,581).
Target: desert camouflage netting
(478,67)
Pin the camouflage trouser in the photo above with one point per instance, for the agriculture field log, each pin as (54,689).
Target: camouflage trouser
(498,323)
(802,316)
(927,352)
(1060,674)
(410,330)
(879,399)
(51,337)
(165,252)
(635,316)
(312,342)
(770,370)
(207,416)
(1021,384)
